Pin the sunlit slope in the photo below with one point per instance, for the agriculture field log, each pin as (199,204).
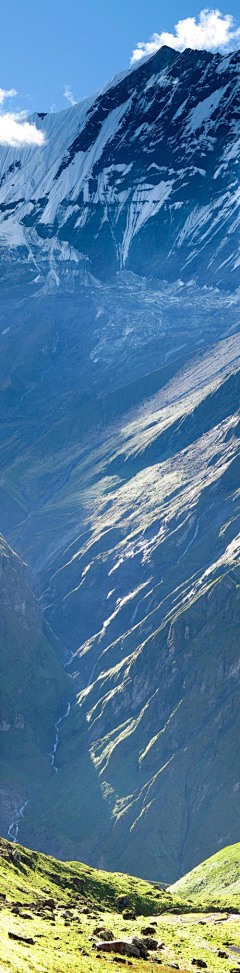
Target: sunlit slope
(216,882)
(50,912)
(57,916)
(39,875)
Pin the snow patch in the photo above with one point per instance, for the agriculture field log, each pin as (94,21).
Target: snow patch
(204,110)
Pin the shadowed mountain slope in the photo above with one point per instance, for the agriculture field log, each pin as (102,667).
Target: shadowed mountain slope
(120,458)
(34,691)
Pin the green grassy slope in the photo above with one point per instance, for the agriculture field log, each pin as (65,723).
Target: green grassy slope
(39,875)
(52,914)
(214,882)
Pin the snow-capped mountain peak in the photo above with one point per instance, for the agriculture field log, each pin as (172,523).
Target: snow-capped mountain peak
(154,153)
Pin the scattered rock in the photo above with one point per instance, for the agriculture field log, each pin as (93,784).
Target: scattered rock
(22,939)
(105,934)
(222,954)
(129,914)
(148,930)
(199,962)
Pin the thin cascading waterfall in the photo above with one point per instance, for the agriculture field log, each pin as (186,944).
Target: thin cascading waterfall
(14,826)
(56,727)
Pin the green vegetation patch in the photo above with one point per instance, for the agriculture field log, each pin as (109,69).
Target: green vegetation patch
(214,883)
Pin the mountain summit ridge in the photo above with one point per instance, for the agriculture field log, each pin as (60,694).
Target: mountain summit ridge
(97,182)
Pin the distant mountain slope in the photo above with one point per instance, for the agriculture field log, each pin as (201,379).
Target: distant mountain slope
(34,691)
(120,381)
(216,881)
(154,739)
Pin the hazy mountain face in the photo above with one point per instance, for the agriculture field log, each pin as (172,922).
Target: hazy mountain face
(119,321)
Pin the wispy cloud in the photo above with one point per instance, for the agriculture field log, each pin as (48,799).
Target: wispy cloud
(15,130)
(6,93)
(68,94)
(210,31)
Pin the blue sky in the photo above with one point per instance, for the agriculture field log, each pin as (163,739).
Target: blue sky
(79,43)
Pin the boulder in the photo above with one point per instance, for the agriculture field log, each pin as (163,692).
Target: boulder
(105,934)
(118,946)
(141,946)
(22,939)
(148,930)
(150,943)
(200,963)
(129,914)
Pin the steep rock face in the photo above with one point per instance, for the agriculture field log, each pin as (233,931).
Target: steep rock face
(34,689)
(142,175)
(120,455)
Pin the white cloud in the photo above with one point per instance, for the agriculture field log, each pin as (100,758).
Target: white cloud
(68,93)
(10,93)
(211,31)
(16,133)
(14,129)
